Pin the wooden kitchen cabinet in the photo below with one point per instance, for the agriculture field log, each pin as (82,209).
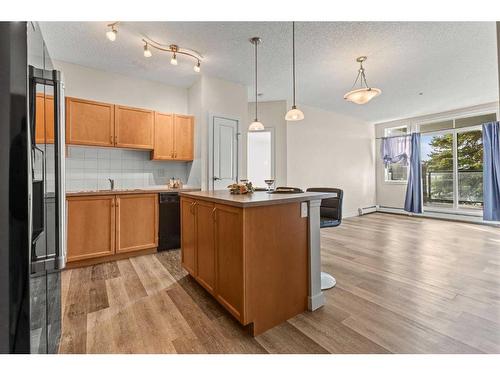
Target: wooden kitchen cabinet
(174,137)
(89,123)
(188,229)
(229,245)
(205,246)
(183,137)
(136,222)
(44,120)
(110,227)
(212,250)
(90,227)
(164,137)
(134,127)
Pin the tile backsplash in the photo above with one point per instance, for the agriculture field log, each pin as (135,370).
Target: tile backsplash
(88,168)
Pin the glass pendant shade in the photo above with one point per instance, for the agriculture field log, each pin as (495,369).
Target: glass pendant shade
(362,96)
(294,115)
(111,35)
(256,126)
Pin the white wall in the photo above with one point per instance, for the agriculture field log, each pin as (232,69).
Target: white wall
(327,149)
(392,194)
(212,96)
(88,168)
(93,84)
(272,115)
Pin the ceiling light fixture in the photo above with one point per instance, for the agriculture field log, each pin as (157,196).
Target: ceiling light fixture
(256,125)
(294,114)
(175,50)
(147,51)
(197,67)
(365,93)
(111,34)
(173,60)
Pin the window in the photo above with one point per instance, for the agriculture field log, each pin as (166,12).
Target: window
(396,172)
(260,157)
(452,163)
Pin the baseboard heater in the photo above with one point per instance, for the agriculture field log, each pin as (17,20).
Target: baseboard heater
(367,210)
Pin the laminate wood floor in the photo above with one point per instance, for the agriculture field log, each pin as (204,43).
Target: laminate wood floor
(404,285)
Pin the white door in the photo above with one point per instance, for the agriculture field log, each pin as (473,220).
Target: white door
(225,152)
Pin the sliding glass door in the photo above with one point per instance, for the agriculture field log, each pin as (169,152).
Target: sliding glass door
(452,169)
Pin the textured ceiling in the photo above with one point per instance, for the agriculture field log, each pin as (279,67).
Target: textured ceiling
(453,64)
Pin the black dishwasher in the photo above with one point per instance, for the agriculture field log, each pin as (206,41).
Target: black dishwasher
(169,236)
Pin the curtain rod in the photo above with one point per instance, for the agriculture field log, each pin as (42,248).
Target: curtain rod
(409,135)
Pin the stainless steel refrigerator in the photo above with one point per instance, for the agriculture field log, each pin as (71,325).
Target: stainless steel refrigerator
(32,192)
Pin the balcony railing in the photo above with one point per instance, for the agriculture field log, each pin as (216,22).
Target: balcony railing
(438,187)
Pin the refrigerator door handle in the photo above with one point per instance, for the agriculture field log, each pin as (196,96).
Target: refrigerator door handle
(59,103)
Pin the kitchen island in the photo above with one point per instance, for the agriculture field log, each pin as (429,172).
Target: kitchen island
(257,254)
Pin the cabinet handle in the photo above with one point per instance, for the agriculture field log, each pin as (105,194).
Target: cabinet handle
(175,154)
(214,213)
(111,139)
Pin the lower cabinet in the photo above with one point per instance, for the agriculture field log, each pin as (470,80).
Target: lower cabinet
(110,225)
(229,244)
(188,233)
(212,250)
(205,247)
(91,227)
(136,222)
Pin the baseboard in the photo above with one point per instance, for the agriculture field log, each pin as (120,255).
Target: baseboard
(439,215)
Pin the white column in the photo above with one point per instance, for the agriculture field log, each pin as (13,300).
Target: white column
(315,298)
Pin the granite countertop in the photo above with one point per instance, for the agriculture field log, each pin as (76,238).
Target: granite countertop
(143,190)
(255,199)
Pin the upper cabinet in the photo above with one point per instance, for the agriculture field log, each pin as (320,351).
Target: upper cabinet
(183,137)
(44,121)
(169,136)
(89,123)
(134,127)
(164,137)
(173,137)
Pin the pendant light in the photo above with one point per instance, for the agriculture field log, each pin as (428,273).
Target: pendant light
(365,93)
(111,33)
(294,114)
(256,125)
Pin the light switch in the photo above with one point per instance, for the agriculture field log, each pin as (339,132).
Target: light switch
(303,209)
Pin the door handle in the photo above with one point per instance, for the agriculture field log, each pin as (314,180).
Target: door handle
(217,178)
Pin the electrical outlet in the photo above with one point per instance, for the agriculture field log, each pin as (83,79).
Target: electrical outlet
(303,209)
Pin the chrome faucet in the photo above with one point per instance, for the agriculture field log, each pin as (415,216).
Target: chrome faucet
(112,183)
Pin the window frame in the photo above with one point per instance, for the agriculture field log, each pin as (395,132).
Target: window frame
(396,182)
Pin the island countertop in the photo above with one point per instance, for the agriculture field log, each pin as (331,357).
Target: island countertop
(255,199)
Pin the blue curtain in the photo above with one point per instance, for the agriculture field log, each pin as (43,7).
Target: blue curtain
(491,171)
(413,201)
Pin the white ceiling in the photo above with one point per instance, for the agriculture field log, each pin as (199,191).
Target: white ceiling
(454,64)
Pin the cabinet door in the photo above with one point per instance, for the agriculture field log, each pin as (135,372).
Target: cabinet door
(205,245)
(44,121)
(91,227)
(188,231)
(229,261)
(164,137)
(183,137)
(134,127)
(136,222)
(89,123)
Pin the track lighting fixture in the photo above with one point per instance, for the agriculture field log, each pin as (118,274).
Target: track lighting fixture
(197,67)
(111,33)
(147,51)
(173,60)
